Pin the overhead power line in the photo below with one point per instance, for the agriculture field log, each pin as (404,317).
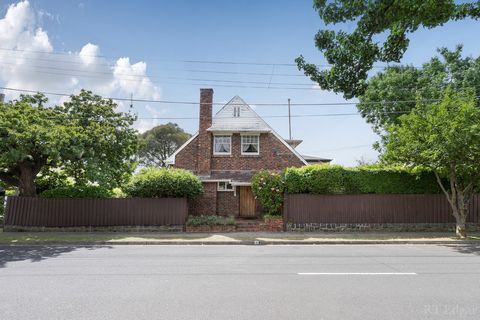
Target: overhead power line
(328,104)
(141,78)
(220,62)
(112,65)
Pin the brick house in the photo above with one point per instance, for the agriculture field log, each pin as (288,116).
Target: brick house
(227,151)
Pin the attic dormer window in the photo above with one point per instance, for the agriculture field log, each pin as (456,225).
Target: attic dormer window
(236,112)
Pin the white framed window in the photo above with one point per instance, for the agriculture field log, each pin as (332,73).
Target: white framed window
(224,186)
(222,145)
(250,144)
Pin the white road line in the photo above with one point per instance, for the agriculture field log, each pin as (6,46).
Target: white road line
(356,273)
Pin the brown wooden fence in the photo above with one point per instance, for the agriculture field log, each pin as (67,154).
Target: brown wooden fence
(42,212)
(372,209)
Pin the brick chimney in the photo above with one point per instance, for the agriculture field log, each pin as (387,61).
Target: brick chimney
(205,137)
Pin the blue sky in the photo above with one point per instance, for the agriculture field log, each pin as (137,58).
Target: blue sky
(163,34)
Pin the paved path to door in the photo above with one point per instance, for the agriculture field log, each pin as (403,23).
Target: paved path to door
(240,282)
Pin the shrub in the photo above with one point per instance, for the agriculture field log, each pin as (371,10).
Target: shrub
(77,192)
(268,187)
(210,220)
(158,183)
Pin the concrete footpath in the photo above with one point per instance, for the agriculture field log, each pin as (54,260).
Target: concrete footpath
(238,238)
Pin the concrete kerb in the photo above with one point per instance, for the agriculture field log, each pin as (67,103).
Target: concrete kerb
(246,243)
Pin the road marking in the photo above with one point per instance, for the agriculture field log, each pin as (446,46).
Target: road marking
(357,273)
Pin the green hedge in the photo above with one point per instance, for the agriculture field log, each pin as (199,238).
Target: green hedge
(77,192)
(268,188)
(334,179)
(158,183)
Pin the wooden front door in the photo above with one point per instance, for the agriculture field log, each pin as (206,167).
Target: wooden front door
(247,202)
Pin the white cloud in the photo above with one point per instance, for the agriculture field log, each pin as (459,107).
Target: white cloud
(28,61)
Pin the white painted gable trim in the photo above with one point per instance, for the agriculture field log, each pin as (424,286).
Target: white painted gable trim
(171,159)
(271,130)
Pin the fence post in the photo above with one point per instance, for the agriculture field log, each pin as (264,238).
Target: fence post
(285,211)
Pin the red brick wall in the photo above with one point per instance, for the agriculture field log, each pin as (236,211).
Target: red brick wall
(187,157)
(274,155)
(206,203)
(227,203)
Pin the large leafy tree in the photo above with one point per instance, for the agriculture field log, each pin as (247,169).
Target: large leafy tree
(85,137)
(394,91)
(445,138)
(381,34)
(158,143)
(104,145)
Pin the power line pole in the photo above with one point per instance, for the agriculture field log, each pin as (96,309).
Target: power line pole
(289,122)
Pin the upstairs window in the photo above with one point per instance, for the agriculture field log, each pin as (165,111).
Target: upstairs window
(222,145)
(250,145)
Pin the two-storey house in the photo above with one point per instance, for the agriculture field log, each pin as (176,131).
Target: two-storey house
(226,152)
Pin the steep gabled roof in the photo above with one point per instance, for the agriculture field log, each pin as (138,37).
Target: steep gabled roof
(228,120)
(238,116)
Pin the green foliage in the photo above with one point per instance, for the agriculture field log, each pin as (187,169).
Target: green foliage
(443,137)
(333,179)
(49,178)
(162,182)
(158,143)
(210,220)
(352,55)
(118,193)
(86,138)
(104,143)
(408,84)
(31,137)
(268,187)
(77,192)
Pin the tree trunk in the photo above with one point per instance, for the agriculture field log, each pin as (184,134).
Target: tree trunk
(459,200)
(26,185)
(461,226)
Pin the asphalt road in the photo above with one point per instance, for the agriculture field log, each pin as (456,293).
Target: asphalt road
(240,282)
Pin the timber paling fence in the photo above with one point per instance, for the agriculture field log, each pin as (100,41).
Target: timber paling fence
(373,209)
(46,212)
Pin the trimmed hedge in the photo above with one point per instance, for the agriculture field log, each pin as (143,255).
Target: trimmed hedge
(268,188)
(77,192)
(162,182)
(334,179)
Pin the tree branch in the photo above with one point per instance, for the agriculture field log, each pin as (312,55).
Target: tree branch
(440,183)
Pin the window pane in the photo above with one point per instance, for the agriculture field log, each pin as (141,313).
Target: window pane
(222,144)
(250,144)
